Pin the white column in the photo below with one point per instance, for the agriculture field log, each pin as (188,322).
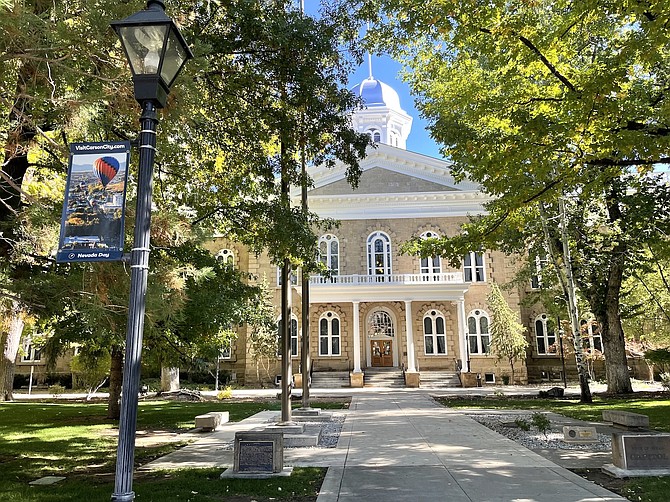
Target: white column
(462,337)
(357,338)
(410,337)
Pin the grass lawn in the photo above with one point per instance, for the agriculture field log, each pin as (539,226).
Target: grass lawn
(77,441)
(656,407)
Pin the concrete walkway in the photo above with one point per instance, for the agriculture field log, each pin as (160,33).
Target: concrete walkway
(405,447)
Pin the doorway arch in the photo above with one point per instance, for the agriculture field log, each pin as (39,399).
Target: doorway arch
(381,340)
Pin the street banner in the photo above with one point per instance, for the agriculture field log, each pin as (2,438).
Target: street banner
(95,197)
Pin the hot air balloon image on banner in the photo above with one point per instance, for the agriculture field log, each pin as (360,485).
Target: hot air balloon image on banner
(93,211)
(106,168)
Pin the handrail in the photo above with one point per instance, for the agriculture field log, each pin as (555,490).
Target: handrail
(355,279)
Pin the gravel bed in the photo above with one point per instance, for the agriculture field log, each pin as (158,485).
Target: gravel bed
(534,439)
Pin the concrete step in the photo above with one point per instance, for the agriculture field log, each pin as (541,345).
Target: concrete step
(330,379)
(439,379)
(384,377)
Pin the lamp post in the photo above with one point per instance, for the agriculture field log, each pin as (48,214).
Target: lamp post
(156,52)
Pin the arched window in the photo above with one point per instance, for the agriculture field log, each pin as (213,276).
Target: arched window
(394,139)
(431,265)
(375,135)
(226,256)
(294,336)
(591,336)
(294,276)
(434,335)
(329,253)
(381,324)
(379,255)
(473,267)
(329,334)
(545,335)
(479,338)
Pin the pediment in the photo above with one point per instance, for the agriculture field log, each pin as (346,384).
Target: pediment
(378,180)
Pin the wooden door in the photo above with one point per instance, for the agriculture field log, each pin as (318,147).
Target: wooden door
(382,353)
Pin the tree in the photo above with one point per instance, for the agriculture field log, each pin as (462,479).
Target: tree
(543,101)
(262,339)
(508,340)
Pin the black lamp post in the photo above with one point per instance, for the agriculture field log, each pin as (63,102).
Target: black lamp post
(156,52)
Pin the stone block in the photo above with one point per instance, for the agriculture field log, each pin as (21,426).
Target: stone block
(469,379)
(412,379)
(639,455)
(625,418)
(212,420)
(258,452)
(575,434)
(356,379)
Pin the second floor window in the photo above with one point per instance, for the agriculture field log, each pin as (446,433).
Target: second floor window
(329,253)
(379,254)
(473,267)
(226,256)
(591,336)
(432,264)
(30,352)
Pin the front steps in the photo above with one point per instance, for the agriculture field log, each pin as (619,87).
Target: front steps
(330,379)
(436,379)
(384,377)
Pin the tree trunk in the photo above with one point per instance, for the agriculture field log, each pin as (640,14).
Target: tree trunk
(614,343)
(169,379)
(115,383)
(11,341)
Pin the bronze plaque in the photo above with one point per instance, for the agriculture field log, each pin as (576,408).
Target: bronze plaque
(255,456)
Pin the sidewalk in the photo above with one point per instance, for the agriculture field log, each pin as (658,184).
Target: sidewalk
(405,447)
(398,446)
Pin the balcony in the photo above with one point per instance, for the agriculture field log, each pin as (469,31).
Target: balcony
(441,278)
(389,287)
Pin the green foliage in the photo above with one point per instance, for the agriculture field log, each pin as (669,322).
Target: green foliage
(56,390)
(90,369)
(659,357)
(522,424)
(226,393)
(541,422)
(507,334)
(569,105)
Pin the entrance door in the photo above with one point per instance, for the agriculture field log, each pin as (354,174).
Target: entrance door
(382,353)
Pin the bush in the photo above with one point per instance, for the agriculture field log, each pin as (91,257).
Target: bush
(62,379)
(226,393)
(56,390)
(542,423)
(20,381)
(522,424)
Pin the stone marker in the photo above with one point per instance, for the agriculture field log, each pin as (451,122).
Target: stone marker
(553,392)
(211,421)
(575,434)
(47,480)
(626,418)
(259,452)
(639,455)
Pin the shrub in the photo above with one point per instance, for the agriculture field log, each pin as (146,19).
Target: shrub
(226,393)
(56,390)
(522,424)
(542,423)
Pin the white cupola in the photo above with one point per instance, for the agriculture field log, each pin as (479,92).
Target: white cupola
(382,117)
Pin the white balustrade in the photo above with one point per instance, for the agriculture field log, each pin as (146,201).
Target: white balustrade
(354,279)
